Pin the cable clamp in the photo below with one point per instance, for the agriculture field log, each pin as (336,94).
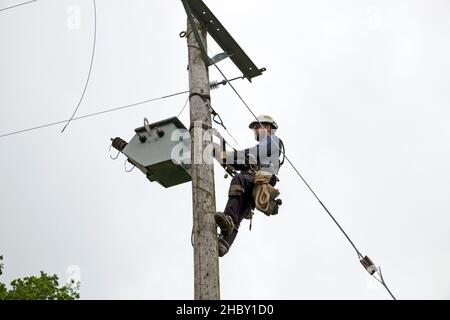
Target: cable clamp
(205,97)
(369,265)
(204,126)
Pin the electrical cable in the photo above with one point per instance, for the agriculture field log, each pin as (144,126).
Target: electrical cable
(90,69)
(17,5)
(360,256)
(184,107)
(383,283)
(93,114)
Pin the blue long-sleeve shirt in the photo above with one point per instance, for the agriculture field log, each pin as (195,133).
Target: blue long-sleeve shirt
(266,155)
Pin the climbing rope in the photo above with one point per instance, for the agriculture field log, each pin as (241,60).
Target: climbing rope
(262,192)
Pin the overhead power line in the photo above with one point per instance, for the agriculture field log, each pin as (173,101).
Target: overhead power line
(93,114)
(90,69)
(17,5)
(214,85)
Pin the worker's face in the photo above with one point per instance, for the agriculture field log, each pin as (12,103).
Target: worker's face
(262,131)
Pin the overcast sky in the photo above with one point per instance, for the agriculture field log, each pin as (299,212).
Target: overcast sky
(359,88)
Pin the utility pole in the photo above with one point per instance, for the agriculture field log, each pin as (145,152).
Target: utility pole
(206,261)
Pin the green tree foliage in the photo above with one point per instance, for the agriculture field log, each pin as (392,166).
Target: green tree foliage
(43,287)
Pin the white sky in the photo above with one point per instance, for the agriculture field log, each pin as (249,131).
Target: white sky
(359,88)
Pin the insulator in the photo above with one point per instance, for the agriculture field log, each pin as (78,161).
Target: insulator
(159,132)
(216,84)
(142,138)
(119,144)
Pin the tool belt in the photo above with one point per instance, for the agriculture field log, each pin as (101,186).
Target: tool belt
(265,195)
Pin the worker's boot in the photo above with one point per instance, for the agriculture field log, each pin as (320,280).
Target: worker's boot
(223,246)
(225,241)
(225,222)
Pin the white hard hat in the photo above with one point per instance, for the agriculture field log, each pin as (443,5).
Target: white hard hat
(264,119)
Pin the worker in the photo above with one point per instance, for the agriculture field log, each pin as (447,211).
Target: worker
(260,161)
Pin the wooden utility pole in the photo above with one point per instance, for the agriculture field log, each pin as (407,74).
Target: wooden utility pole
(206,261)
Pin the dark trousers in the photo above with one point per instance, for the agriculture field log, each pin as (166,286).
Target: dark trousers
(239,205)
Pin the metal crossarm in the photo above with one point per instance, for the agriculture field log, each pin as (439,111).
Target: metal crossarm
(218,32)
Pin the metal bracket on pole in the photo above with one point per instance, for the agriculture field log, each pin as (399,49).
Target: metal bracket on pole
(223,38)
(218,57)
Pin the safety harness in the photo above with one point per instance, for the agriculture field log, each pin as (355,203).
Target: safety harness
(264,194)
